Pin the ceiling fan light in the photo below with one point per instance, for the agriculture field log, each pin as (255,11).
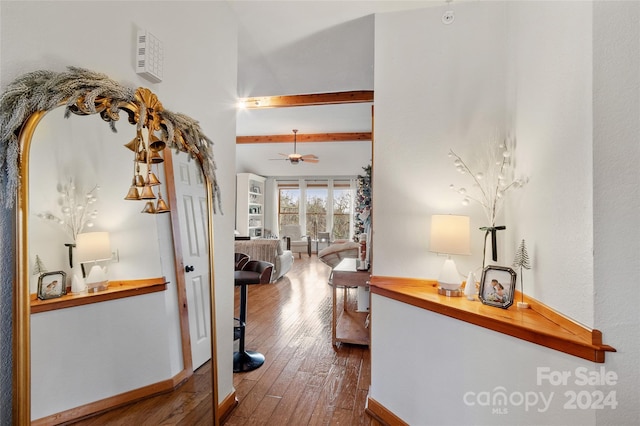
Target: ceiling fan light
(296,158)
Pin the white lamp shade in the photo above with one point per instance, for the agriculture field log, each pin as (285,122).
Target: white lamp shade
(93,247)
(450,234)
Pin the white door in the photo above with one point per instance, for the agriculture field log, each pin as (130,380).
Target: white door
(192,216)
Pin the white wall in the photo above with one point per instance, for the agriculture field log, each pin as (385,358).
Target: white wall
(551,114)
(199,80)
(616,189)
(440,371)
(539,67)
(438,88)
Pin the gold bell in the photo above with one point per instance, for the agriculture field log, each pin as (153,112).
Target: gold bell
(132,194)
(162,206)
(152,180)
(147,193)
(135,142)
(138,180)
(141,157)
(156,157)
(156,144)
(149,208)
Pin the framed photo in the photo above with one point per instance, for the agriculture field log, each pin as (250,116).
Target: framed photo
(52,285)
(497,286)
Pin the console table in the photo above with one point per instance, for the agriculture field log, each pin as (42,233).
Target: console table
(348,325)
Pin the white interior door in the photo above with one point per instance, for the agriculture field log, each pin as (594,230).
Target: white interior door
(192,214)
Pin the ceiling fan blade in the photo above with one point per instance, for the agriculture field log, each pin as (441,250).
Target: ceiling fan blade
(309,157)
(309,160)
(284,155)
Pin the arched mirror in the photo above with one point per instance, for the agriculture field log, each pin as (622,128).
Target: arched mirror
(72,167)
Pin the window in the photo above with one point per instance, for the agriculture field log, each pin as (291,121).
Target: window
(342,210)
(327,206)
(316,209)
(288,205)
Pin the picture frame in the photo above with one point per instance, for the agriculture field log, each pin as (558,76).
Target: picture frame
(52,285)
(497,286)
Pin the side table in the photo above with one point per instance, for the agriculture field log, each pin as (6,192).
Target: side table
(349,326)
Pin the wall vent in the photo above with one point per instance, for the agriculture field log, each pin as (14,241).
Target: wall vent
(149,56)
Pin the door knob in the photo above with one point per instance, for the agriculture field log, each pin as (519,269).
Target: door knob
(188,268)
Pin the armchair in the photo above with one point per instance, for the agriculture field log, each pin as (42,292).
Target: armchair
(334,254)
(296,242)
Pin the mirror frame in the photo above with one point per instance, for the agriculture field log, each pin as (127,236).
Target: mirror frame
(109,109)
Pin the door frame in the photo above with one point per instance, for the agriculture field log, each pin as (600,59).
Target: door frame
(179,267)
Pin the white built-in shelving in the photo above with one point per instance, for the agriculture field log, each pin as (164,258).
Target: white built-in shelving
(250,205)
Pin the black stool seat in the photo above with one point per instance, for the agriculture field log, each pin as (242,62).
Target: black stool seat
(246,277)
(253,272)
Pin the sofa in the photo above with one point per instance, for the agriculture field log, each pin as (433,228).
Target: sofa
(269,250)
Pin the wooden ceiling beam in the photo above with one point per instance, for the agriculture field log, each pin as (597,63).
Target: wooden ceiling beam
(310,137)
(351,97)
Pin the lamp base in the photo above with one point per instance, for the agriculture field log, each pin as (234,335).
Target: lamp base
(450,293)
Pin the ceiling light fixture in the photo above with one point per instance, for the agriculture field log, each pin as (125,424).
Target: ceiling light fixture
(296,158)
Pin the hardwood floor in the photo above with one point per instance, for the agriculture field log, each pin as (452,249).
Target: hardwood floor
(305,380)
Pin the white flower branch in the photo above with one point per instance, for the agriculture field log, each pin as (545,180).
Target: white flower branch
(491,183)
(75,209)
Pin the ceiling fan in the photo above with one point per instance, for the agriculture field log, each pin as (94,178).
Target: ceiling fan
(296,158)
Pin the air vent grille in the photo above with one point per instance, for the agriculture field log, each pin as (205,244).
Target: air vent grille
(150,57)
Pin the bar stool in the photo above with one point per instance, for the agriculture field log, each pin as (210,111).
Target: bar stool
(254,272)
(241,259)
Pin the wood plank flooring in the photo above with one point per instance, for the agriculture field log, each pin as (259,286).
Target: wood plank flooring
(305,379)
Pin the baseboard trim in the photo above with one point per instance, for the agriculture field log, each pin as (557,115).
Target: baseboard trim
(112,402)
(382,414)
(226,406)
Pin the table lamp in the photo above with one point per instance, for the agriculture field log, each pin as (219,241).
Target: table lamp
(450,235)
(94,247)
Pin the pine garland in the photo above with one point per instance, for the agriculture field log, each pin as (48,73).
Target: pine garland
(45,90)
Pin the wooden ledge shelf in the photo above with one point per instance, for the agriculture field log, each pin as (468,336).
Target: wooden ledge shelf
(116,290)
(539,324)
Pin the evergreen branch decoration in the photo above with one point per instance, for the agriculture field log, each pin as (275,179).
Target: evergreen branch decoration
(85,92)
(38,266)
(521,261)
